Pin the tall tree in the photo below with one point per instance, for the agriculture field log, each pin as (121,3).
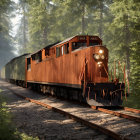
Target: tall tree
(22,32)
(123,36)
(39,23)
(73,16)
(5,28)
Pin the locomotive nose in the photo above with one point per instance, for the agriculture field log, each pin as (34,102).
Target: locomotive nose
(100,56)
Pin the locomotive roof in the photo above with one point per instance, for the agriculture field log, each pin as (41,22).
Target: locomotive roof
(55,44)
(68,39)
(51,45)
(47,47)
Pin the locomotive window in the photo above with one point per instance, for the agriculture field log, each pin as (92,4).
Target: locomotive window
(76,45)
(66,48)
(28,63)
(57,51)
(38,57)
(33,57)
(62,50)
(93,43)
(46,52)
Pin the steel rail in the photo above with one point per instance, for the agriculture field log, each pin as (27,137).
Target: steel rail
(126,116)
(75,118)
(131,110)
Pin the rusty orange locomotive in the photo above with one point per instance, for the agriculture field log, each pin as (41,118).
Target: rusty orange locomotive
(76,68)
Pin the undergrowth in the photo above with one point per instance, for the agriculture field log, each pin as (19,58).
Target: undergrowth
(133,101)
(8,131)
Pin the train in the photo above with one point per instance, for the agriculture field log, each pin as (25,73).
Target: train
(75,69)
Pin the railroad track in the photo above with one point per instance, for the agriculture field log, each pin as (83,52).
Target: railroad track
(116,127)
(74,117)
(117,111)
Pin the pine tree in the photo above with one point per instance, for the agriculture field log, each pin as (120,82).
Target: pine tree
(22,36)
(5,28)
(123,37)
(39,23)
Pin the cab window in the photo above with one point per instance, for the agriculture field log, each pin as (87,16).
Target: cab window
(66,48)
(46,52)
(28,63)
(57,51)
(62,50)
(93,43)
(37,57)
(76,45)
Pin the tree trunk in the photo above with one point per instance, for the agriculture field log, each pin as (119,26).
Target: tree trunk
(83,19)
(101,20)
(127,47)
(24,27)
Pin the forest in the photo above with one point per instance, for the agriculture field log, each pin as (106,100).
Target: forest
(42,22)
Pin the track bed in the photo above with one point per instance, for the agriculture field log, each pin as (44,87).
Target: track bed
(124,127)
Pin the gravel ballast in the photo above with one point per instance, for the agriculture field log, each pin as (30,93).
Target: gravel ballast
(46,124)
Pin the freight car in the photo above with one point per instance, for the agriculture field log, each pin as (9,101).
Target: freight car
(76,68)
(14,71)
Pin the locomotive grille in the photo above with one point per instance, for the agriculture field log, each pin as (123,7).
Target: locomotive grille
(101,72)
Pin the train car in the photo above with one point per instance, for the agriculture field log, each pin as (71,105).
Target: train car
(2,73)
(76,68)
(14,70)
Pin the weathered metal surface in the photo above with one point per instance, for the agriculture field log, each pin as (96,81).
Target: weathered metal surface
(66,68)
(15,69)
(2,73)
(80,61)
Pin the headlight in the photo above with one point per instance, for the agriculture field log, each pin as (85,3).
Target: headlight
(101,51)
(96,56)
(102,56)
(99,64)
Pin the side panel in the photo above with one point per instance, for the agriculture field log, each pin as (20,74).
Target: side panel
(15,69)
(2,73)
(65,69)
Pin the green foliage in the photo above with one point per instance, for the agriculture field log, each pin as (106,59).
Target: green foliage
(123,38)
(23,136)
(7,129)
(135,67)
(133,101)
(52,21)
